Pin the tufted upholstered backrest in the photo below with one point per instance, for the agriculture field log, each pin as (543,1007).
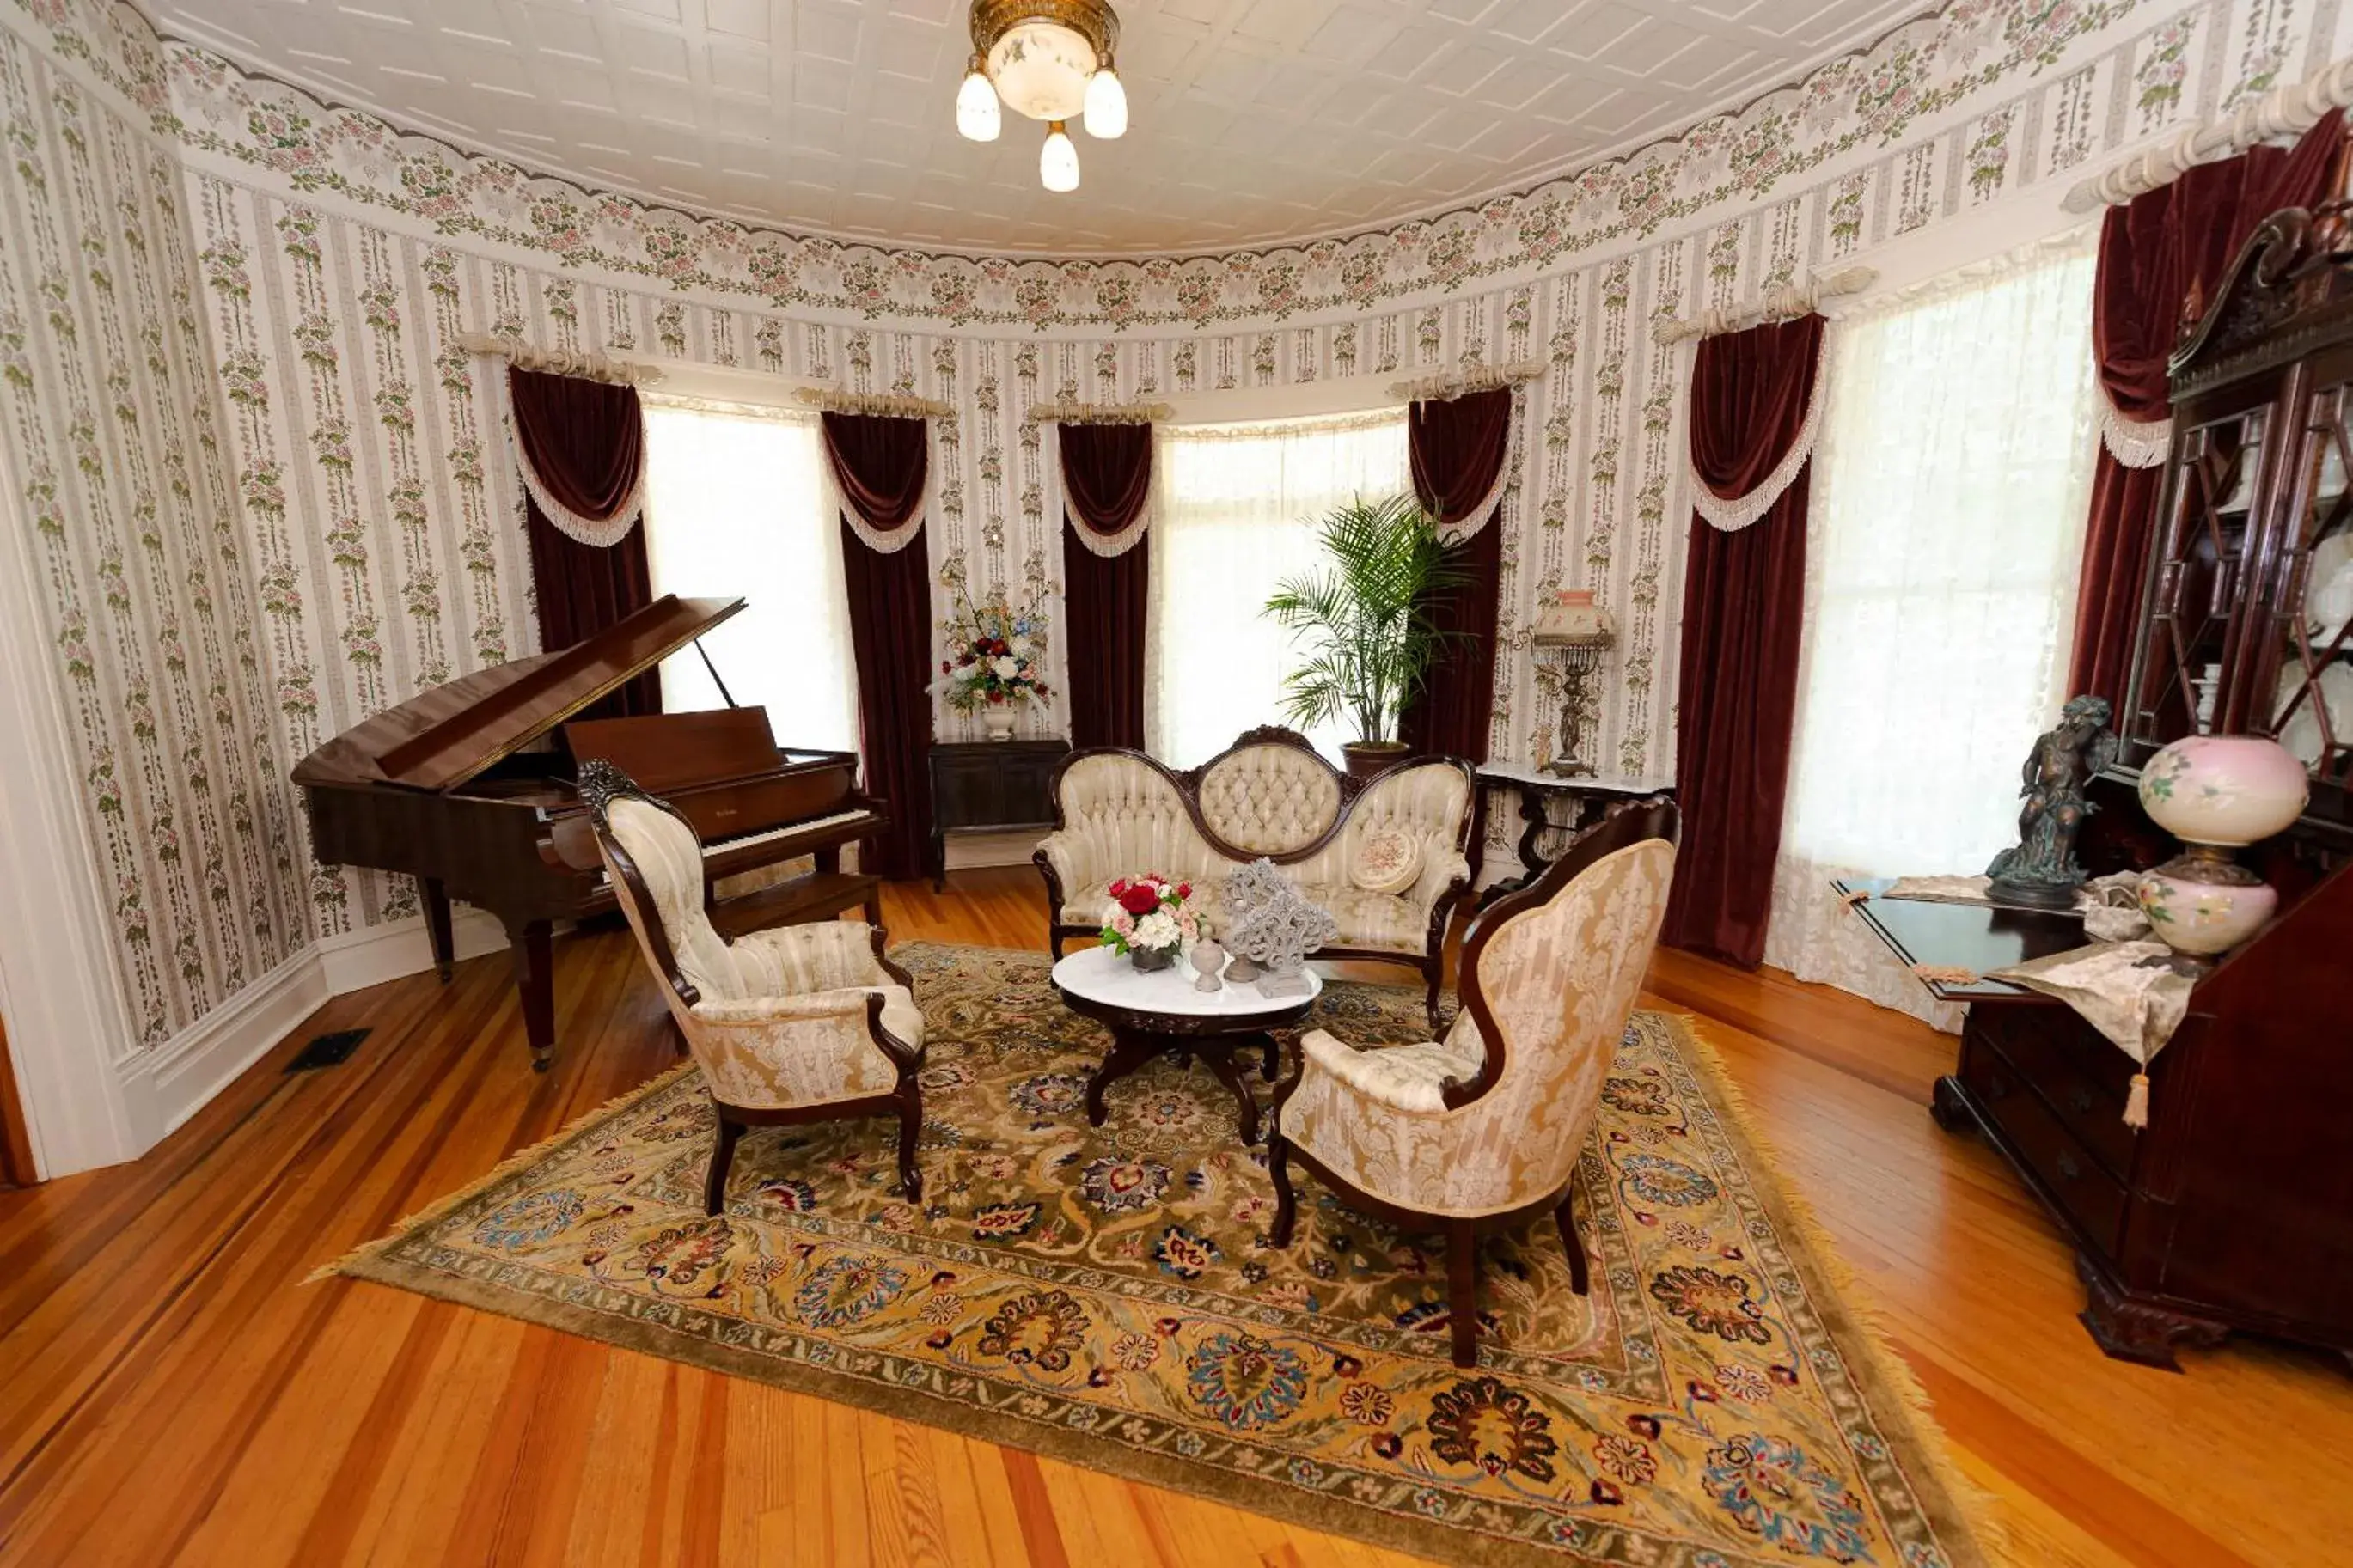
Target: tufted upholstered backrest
(1270,798)
(667,855)
(1123,812)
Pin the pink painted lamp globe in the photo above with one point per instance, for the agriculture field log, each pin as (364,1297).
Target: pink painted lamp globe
(2216,793)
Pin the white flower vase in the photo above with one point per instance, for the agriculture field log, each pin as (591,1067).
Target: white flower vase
(997,721)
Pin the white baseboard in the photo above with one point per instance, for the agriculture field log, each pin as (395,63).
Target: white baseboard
(168,1085)
(356,959)
(975,849)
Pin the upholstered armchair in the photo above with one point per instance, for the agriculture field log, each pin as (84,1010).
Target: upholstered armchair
(1486,1127)
(805,1023)
(1388,856)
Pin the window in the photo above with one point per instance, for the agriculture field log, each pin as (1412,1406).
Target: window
(736,507)
(1234,512)
(1945,531)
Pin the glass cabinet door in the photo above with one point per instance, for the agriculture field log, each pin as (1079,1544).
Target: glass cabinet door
(2181,685)
(2302,672)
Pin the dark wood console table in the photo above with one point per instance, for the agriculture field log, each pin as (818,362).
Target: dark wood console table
(990,786)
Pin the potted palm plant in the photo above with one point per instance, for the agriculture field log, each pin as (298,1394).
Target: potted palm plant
(1362,623)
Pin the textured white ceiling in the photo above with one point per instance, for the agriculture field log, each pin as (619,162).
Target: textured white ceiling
(1251,121)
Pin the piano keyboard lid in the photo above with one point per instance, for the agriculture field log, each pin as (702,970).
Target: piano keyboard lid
(441,738)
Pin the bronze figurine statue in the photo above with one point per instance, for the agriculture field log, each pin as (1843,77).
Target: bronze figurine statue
(2040,869)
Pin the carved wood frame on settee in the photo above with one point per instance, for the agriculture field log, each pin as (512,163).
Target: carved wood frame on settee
(1430,962)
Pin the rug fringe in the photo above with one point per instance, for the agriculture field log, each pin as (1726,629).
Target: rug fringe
(495,1174)
(1976,1510)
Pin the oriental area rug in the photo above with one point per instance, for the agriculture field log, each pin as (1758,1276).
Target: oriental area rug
(1108,1296)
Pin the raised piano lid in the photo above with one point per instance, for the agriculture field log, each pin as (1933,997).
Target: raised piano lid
(443,737)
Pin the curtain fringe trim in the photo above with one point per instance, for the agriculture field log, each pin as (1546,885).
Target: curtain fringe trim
(1108,545)
(1490,505)
(587,364)
(1100,413)
(2282,112)
(829,497)
(596,533)
(2135,443)
(898,405)
(1782,304)
(1732,516)
(1453,384)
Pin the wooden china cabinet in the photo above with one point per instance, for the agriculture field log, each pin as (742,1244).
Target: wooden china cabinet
(2233,1210)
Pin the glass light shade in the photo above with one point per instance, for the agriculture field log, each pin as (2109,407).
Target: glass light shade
(1040,70)
(977,116)
(1058,161)
(2224,789)
(1106,105)
(1571,619)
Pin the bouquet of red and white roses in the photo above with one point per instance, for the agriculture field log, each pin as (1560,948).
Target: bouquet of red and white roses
(1150,914)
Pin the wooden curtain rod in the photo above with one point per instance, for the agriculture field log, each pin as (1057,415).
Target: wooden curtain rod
(897,404)
(2284,111)
(1780,305)
(1100,413)
(589,364)
(1470,378)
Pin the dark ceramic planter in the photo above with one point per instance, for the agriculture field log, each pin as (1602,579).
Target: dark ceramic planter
(1366,758)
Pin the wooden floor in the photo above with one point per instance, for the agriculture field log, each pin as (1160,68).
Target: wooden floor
(170,1393)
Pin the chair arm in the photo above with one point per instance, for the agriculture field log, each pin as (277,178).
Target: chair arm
(1067,853)
(1441,876)
(825,955)
(837,1003)
(1398,1077)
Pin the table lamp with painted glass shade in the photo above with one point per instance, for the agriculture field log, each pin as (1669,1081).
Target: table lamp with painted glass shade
(2216,793)
(1577,631)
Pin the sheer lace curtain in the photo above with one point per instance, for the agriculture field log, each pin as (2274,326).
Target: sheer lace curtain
(1234,512)
(738,505)
(1947,528)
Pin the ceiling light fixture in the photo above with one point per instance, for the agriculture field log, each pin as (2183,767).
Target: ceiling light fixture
(1047,60)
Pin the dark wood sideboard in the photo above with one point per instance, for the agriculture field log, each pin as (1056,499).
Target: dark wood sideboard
(990,786)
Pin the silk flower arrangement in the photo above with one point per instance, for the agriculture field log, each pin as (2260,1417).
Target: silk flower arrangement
(1149,919)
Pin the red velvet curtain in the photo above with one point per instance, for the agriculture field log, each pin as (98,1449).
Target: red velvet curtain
(1457,451)
(1106,482)
(2155,253)
(879,464)
(1744,600)
(584,441)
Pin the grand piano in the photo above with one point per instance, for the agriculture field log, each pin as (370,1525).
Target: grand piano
(468,788)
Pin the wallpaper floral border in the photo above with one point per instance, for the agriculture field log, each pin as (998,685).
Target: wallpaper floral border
(332,499)
(1850,109)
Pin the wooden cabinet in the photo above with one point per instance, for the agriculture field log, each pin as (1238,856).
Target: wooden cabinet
(2232,1209)
(987,786)
(2244,624)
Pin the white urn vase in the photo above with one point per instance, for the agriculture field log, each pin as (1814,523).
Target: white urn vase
(2216,793)
(997,721)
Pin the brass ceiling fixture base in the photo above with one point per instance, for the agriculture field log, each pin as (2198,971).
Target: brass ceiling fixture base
(1092,20)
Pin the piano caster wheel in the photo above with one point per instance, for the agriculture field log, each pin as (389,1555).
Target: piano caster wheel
(540,1064)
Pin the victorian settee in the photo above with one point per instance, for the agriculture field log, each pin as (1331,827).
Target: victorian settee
(1388,856)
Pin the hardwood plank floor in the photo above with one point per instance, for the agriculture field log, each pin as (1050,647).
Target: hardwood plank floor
(170,1393)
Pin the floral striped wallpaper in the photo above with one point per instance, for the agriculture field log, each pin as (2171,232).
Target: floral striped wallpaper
(274,497)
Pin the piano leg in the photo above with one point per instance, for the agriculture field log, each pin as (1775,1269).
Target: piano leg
(534,970)
(436,900)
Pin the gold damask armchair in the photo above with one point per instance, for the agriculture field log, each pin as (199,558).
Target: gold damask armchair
(806,1023)
(1485,1128)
